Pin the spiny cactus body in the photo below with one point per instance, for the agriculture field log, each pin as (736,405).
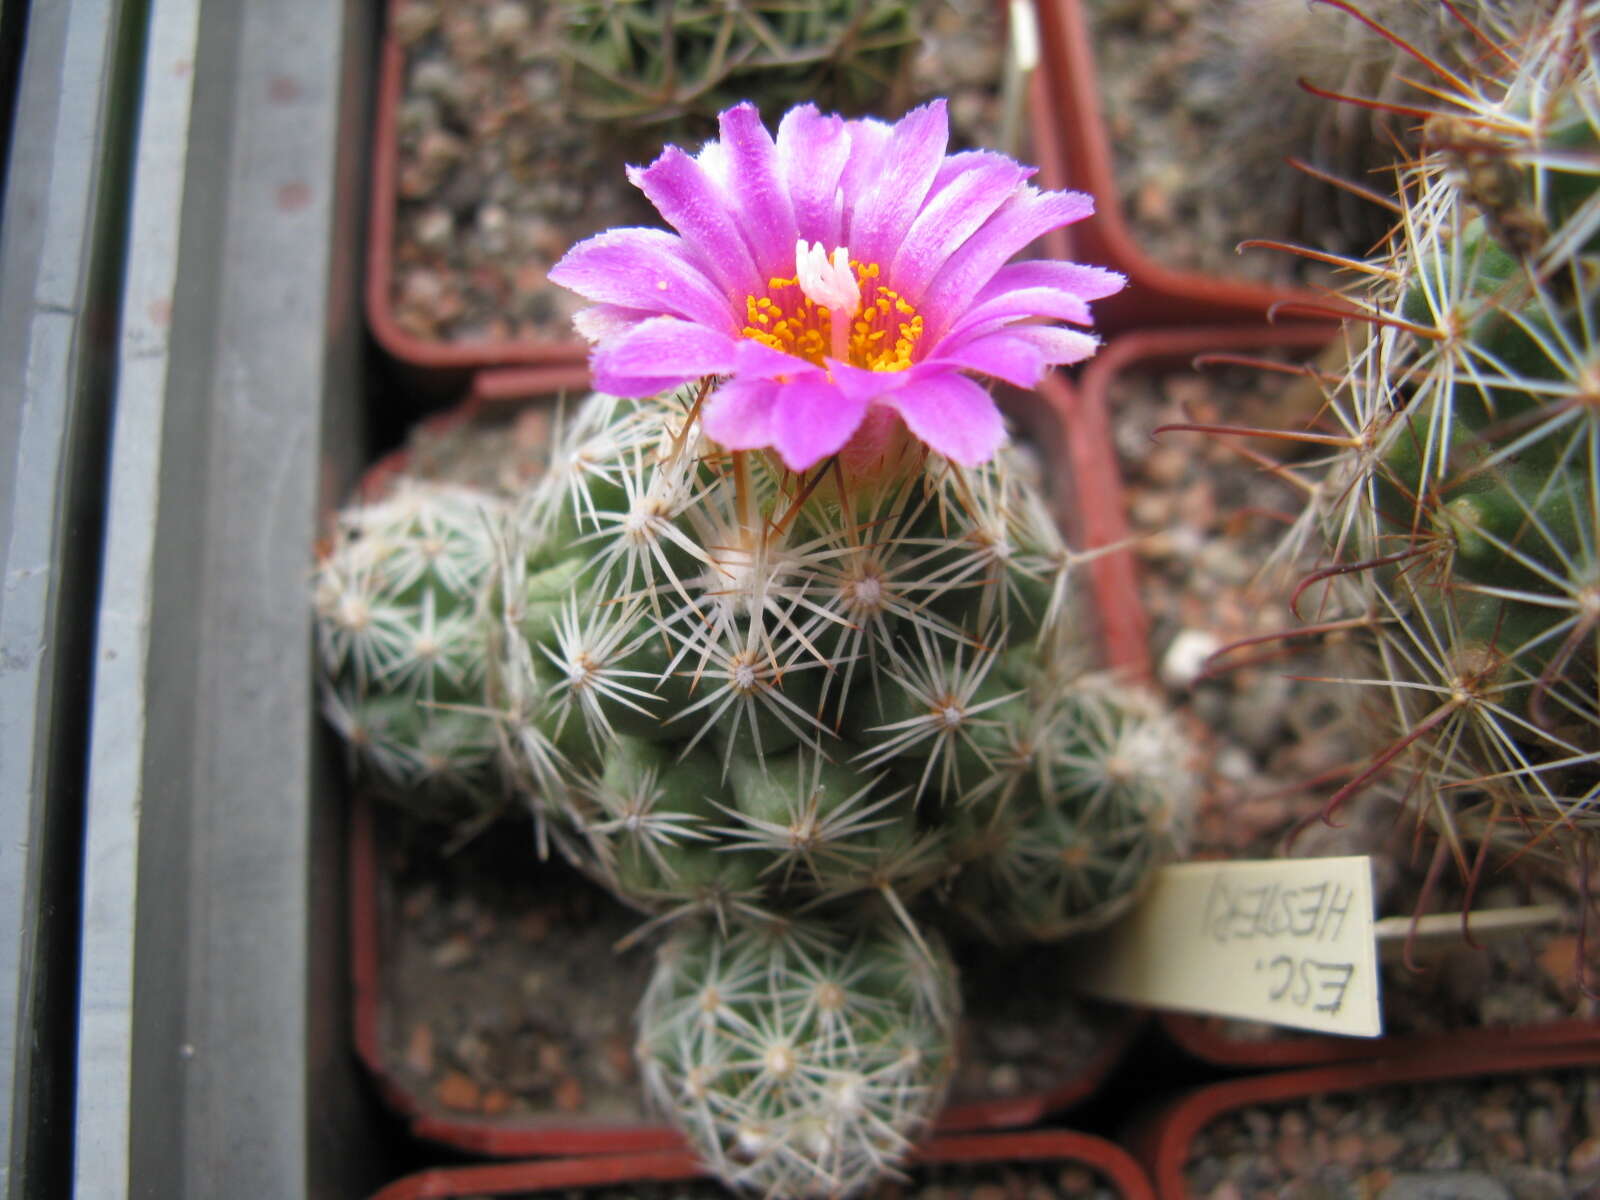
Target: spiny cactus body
(404,643)
(763,692)
(1462,517)
(799,1060)
(753,703)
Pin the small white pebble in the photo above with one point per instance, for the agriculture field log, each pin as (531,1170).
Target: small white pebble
(509,23)
(1186,657)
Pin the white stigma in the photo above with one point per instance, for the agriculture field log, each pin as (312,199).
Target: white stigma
(830,284)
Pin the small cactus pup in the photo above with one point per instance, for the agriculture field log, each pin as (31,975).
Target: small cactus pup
(653,61)
(1459,510)
(403,641)
(799,1059)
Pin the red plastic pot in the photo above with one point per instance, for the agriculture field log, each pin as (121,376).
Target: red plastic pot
(1156,295)
(1164,1142)
(443,367)
(1111,1163)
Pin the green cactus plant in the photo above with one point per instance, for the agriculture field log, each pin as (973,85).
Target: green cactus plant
(784,695)
(1458,514)
(656,61)
(788,636)
(740,697)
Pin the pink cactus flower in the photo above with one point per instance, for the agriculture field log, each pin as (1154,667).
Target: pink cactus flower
(840,272)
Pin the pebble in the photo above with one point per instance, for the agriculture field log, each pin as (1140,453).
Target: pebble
(568,1094)
(533,927)
(1559,961)
(1073,1180)
(509,23)
(496,1101)
(411,22)
(1542,1134)
(419,1049)
(458,1092)
(1444,1185)
(1005,1080)
(433,228)
(455,951)
(1585,1156)
(1186,657)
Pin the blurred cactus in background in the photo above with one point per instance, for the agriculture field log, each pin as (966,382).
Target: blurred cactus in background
(649,62)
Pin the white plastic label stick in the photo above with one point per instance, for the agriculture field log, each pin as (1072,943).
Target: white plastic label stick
(1289,941)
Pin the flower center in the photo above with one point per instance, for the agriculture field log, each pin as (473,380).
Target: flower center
(835,307)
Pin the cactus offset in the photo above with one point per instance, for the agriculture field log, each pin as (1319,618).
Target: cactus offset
(799,1060)
(403,644)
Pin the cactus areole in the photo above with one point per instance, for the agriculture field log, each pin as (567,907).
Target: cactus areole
(783,649)
(833,275)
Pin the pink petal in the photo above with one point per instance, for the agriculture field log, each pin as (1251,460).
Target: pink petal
(1027,215)
(1091,283)
(695,205)
(646,269)
(1014,306)
(814,418)
(881,215)
(767,216)
(1059,346)
(869,141)
(601,321)
(1015,360)
(763,362)
(739,414)
(955,210)
(953,415)
(812,152)
(660,353)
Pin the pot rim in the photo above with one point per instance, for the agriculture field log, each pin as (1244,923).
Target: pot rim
(1162,1142)
(1114,1164)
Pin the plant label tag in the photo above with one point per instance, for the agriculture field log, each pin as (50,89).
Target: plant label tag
(1288,941)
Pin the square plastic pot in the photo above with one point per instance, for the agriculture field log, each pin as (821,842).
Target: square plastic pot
(1164,1141)
(1056,1150)
(1156,295)
(1069,438)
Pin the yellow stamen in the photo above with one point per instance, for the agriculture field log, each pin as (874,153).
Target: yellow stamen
(879,330)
